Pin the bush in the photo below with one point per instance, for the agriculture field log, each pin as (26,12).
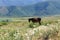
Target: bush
(33,25)
(4,23)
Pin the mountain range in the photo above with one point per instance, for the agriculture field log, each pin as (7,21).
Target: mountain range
(45,8)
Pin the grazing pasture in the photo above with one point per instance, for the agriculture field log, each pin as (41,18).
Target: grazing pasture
(19,29)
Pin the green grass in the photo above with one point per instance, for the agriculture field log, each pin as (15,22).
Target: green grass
(16,30)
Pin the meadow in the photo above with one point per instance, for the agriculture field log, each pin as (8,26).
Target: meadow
(20,29)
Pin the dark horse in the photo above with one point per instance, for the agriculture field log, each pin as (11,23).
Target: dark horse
(35,20)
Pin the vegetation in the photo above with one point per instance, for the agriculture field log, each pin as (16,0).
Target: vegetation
(20,29)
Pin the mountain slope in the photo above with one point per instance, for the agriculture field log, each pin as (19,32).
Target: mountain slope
(39,9)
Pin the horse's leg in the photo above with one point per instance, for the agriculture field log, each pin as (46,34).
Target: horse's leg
(39,23)
(29,20)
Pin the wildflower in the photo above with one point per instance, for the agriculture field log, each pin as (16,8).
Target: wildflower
(6,34)
(27,36)
(31,32)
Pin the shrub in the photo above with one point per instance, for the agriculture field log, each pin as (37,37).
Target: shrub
(31,25)
(4,23)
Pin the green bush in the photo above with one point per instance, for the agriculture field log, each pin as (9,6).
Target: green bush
(4,23)
(33,25)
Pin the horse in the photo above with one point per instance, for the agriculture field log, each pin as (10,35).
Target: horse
(35,20)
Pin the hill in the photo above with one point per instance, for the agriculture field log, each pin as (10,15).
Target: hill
(39,9)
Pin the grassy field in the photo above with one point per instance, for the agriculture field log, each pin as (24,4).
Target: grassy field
(19,29)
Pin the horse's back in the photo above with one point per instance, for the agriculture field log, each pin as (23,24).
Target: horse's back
(34,19)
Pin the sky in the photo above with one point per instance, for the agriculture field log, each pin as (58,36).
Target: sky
(18,2)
